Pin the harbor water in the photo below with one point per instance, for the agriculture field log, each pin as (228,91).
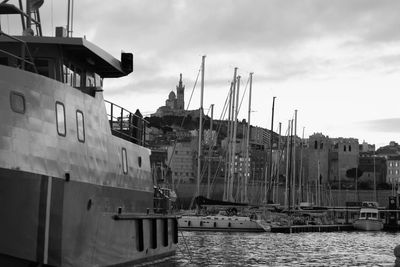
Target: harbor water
(272,249)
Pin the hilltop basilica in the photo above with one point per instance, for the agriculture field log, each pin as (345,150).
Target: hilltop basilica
(175,104)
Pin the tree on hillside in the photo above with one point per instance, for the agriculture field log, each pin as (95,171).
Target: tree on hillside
(351,173)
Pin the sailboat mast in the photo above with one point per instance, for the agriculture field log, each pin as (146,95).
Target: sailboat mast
(271,141)
(231,146)
(375,197)
(287,168)
(278,163)
(301,178)
(290,162)
(247,162)
(235,110)
(317,187)
(200,126)
(228,150)
(294,157)
(211,144)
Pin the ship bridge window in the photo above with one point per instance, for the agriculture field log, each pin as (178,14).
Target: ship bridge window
(17,102)
(72,75)
(44,66)
(80,126)
(4,61)
(93,80)
(90,80)
(60,119)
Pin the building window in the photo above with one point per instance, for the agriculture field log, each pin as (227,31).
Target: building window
(60,119)
(390,164)
(344,148)
(315,144)
(349,148)
(397,164)
(80,126)
(397,171)
(17,102)
(124,161)
(390,171)
(321,146)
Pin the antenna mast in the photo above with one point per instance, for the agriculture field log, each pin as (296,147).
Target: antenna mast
(70,18)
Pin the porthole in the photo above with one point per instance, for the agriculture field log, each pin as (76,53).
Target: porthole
(124,161)
(60,119)
(17,102)
(80,126)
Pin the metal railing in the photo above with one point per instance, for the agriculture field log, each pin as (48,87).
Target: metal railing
(125,124)
(24,52)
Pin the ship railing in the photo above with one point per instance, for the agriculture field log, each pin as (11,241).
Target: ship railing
(125,124)
(24,53)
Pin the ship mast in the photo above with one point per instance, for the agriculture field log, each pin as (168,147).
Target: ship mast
(211,144)
(287,168)
(228,150)
(270,149)
(294,199)
(235,112)
(231,134)
(200,126)
(70,18)
(247,161)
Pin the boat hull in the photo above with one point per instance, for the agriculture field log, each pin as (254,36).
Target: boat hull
(368,225)
(67,223)
(220,224)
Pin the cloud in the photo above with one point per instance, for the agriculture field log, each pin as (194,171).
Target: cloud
(391,125)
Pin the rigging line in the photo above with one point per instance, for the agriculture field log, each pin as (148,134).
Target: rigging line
(244,92)
(215,175)
(187,247)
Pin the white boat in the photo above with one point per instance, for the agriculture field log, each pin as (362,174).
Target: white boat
(369,218)
(222,223)
(222,216)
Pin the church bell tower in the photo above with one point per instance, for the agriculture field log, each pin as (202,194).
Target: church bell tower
(180,93)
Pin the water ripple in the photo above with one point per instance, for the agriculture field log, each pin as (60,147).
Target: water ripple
(271,249)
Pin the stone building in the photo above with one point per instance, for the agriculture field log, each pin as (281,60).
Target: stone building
(393,169)
(331,158)
(182,157)
(344,155)
(318,157)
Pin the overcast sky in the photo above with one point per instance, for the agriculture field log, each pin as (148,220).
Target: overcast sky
(336,62)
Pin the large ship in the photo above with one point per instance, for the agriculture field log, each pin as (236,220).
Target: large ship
(75,178)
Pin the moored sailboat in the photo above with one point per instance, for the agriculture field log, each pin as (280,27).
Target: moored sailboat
(214,215)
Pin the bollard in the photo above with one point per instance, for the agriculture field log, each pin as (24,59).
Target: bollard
(396,252)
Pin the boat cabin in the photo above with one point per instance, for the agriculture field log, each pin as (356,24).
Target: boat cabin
(72,61)
(369,215)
